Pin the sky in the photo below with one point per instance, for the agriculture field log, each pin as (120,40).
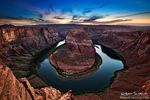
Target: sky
(87,12)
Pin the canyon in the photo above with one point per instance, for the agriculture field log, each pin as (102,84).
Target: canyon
(19,46)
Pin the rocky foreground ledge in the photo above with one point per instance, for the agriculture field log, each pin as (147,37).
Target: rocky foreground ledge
(13,89)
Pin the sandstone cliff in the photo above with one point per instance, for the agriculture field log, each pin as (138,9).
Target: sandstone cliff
(77,54)
(13,89)
(18,47)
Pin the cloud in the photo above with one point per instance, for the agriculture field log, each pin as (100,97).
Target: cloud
(101,5)
(20,19)
(87,11)
(58,17)
(43,15)
(76,17)
(67,10)
(100,22)
(51,8)
(49,16)
(135,14)
(17,18)
(48,11)
(86,19)
(93,18)
(52,14)
(115,21)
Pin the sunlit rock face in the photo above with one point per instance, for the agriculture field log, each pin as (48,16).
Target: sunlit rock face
(13,89)
(78,53)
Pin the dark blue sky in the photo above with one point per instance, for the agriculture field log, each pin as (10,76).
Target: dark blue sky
(128,12)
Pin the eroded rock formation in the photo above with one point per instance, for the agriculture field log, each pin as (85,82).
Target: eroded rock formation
(13,89)
(78,53)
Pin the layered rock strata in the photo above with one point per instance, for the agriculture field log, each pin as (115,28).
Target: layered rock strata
(13,89)
(77,54)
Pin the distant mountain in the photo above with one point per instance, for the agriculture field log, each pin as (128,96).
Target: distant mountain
(74,26)
(7,25)
(80,25)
